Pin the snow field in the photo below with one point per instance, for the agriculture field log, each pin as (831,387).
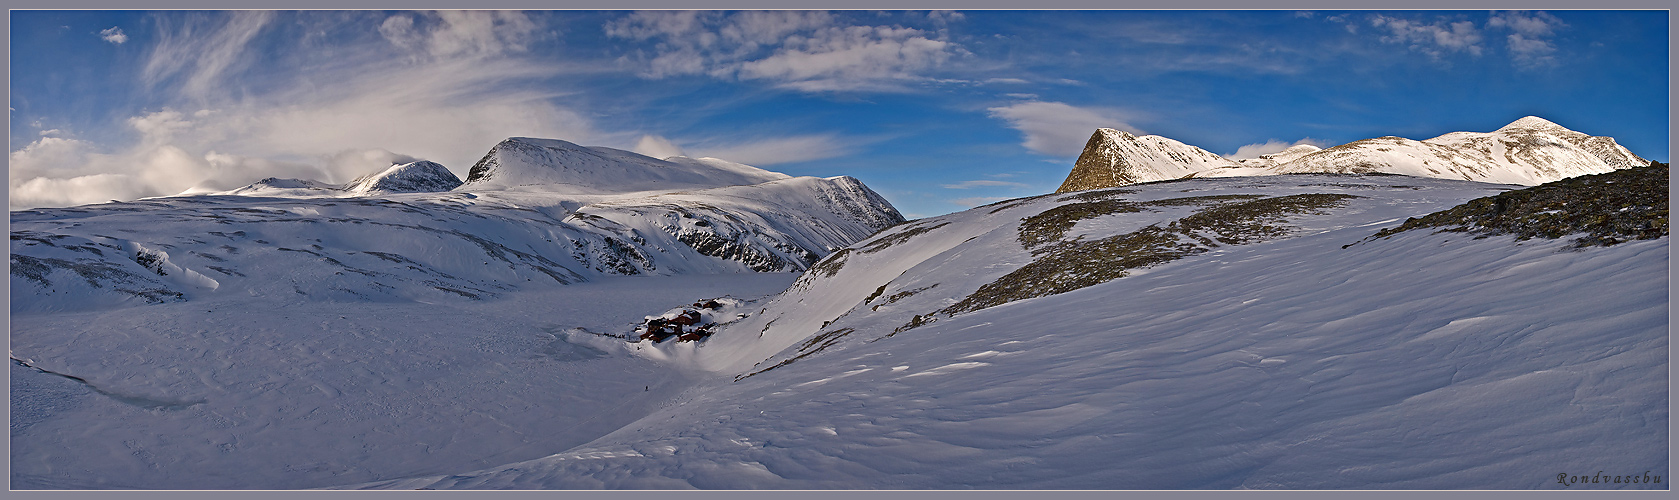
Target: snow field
(234,394)
(1420,361)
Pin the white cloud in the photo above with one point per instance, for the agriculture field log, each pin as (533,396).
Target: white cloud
(1533,24)
(399,30)
(1271,146)
(854,57)
(349,164)
(981,183)
(1529,44)
(461,33)
(480,33)
(114,35)
(340,120)
(647,24)
(48,154)
(81,190)
(803,50)
(1433,39)
(944,17)
(1059,129)
(657,147)
(778,150)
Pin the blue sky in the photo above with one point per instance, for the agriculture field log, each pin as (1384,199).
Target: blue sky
(937,111)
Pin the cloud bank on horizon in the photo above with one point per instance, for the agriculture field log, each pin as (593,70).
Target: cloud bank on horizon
(929,108)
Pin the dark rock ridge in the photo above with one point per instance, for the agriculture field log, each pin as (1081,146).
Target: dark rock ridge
(1605,209)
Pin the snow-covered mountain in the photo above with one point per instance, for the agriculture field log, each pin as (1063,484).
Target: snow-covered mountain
(1118,158)
(413,177)
(1204,333)
(1284,156)
(384,237)
(1304,331)
(296,334)
(555,164)
(1528,151)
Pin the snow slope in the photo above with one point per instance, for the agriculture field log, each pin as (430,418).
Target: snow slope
(560,166)
(424,247)
(1528,151)
(1253,340)
(296,334)
(256,392)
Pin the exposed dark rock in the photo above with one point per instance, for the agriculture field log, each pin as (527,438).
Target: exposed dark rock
(1604,209)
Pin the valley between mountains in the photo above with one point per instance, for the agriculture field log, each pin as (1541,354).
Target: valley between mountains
(1474,311)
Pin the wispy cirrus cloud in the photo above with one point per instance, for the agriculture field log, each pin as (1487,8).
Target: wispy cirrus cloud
(202,49)
(1060,129)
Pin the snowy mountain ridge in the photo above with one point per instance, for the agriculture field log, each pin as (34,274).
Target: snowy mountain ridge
(1308,331)
(553,164)
(401,234)
(1528,151)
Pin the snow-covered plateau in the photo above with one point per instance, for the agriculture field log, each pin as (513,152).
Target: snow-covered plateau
(1202,333)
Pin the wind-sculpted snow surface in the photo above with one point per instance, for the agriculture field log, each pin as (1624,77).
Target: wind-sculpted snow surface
(243,392)
(1272,357)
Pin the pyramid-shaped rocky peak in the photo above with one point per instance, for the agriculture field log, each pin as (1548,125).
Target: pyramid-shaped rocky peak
(1117,158)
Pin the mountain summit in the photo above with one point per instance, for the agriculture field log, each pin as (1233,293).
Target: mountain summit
(1118,158)
(1528,151)
(561,165)
(413,177)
